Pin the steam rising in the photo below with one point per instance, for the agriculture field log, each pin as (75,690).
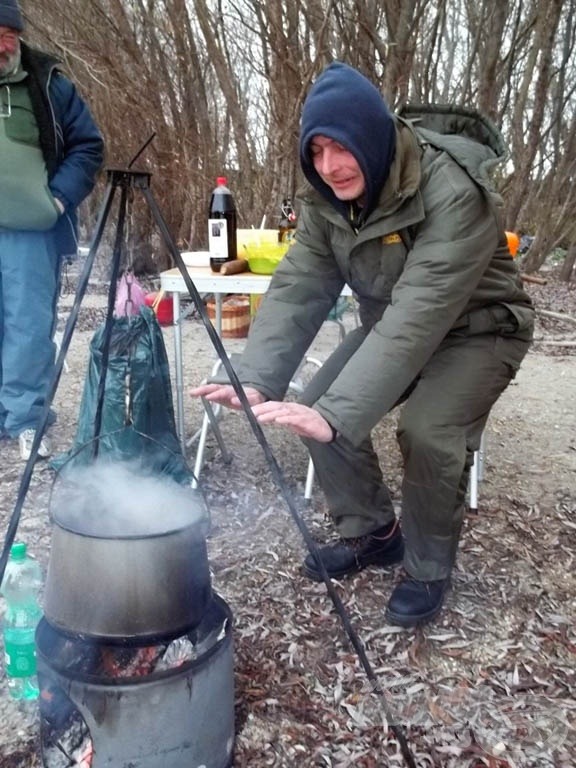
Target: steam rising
(116,499)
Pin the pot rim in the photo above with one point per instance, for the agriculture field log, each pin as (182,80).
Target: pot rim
(144,535)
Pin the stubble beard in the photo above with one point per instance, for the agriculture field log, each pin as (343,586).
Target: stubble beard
(9,62)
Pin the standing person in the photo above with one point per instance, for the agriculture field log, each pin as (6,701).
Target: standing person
(405,216)
(50,153)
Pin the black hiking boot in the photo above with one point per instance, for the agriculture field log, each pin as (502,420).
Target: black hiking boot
(382,547)
(416,602)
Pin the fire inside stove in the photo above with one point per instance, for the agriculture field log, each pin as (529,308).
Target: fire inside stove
(168,703)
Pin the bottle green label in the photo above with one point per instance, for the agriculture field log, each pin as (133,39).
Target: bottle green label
(20,659)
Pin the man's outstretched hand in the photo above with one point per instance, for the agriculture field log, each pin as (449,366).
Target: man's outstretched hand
(300,419)
(225,394)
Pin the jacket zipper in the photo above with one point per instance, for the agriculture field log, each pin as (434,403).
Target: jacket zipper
(352,218)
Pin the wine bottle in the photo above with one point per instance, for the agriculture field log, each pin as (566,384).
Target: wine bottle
(221,226)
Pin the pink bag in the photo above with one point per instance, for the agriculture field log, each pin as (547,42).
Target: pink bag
(130,296)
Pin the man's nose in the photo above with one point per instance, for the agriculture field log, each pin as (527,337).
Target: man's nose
(329,161)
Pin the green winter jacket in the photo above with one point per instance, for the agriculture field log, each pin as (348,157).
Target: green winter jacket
(430,262)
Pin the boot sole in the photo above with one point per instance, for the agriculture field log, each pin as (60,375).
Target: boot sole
(316,576)
(402,620)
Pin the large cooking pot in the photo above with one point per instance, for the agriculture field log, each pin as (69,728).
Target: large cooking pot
(128,556)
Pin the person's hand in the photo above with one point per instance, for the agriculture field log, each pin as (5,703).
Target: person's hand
(226,395)
(301,419)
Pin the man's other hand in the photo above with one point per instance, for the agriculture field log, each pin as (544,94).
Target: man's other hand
(226,395)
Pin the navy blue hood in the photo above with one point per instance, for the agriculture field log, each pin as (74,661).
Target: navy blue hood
(345,106)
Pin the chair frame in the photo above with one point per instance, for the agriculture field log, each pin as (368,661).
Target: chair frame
(476,475)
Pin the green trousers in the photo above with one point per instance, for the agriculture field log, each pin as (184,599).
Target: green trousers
(442,419)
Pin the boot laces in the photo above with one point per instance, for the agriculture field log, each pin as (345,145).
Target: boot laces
(360,541)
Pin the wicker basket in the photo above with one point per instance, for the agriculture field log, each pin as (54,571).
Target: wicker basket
(235,316)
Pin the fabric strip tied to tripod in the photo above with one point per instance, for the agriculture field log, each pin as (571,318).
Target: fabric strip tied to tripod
(138,421)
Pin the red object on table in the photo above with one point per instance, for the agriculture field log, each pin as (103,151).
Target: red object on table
(162,306)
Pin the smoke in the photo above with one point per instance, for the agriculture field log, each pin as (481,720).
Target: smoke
(116,499)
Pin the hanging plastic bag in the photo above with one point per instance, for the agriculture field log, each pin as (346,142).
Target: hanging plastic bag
(137,422)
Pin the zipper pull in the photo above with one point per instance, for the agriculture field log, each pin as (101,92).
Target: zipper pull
(352,218)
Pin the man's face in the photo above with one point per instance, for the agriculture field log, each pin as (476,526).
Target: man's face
(9,50)
(338,168)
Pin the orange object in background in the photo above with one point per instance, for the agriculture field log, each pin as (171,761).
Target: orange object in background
(513,243)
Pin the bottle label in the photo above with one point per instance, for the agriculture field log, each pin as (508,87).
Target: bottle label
(20,659)
(218,238)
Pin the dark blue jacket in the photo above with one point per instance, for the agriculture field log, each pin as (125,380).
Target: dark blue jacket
(71,143)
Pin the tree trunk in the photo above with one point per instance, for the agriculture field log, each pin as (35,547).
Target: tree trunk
(567,271)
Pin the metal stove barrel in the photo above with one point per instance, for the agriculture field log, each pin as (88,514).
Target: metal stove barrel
(177,717)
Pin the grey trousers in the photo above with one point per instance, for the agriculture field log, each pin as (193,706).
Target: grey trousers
(442,419)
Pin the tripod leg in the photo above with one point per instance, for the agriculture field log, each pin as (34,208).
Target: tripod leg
(116,258)
(83,281)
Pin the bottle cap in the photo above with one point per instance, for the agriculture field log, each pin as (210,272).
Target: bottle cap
(221,181)
(18,551)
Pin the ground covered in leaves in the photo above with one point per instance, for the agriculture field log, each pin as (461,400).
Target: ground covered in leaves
(490,683)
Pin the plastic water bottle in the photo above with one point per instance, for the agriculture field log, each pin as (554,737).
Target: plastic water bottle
(221,226)
(20,589)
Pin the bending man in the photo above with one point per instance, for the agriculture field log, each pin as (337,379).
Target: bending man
(404,214)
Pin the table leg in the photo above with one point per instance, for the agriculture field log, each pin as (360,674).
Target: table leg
(178,359)
(177,320)
(218,318)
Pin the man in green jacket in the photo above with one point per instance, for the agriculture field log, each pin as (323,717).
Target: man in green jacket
(401,210)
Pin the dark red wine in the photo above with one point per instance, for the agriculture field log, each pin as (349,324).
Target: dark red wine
(221,226)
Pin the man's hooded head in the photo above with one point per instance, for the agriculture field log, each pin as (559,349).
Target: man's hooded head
(346,107)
